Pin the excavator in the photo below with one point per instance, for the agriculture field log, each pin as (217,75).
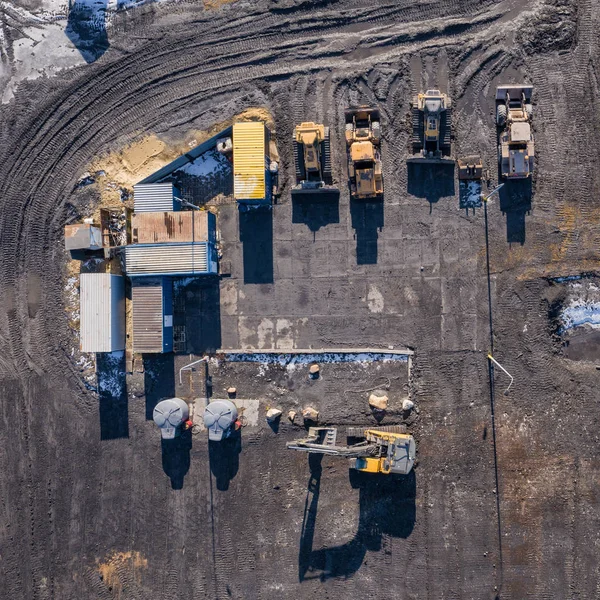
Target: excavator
(312,157)
(432,127)
(385,450)
(363,143)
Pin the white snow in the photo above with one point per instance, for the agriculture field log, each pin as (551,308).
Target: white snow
(207,164)
(112,379)
(580,313)
(286,360)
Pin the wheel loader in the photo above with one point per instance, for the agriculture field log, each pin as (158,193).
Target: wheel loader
(312,158)
(431,127)
(385,450)
(363,144)
(516,151)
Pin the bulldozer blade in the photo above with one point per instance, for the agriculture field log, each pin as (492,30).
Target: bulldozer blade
(430,161)
(514,91)
(299,191)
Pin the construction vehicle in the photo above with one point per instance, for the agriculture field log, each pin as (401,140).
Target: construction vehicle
(363,144)
(383,450)
(312,157)
(516,150)
(432,127)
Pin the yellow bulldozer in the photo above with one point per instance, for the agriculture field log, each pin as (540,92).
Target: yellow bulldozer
(385,450)
(312,158)
(363,143)
(432,127)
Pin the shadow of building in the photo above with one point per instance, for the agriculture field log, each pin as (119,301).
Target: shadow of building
(367,221)
(387,507)
(159,379)
(256,235)
(112,395)
(431,181)
(176,458)
(224,459)
(316,210)
(515,203)
(86,28)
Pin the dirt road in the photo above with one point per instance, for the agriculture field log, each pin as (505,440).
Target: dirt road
(85,517)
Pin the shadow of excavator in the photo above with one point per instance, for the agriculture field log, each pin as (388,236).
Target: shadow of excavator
(387,508)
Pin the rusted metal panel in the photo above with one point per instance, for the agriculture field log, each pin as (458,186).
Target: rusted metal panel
(185,226)
(102,312)
(249,161)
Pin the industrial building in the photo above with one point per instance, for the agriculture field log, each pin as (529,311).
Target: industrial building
(102,312)
(252,176)
(152,315)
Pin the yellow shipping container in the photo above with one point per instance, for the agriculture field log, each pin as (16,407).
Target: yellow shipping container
(249,161)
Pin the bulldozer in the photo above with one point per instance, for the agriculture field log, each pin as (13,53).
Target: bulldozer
(431,127)
(384,450)
(516,151)
(363,144)
(312,157)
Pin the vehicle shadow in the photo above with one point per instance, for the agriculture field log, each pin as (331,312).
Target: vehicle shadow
(176,458)
(256,235)
(367,221)
(431,181)
(316,210)
(86,28)
(159,379)
(387,507)
(515,203)
(224,459)
(112,395)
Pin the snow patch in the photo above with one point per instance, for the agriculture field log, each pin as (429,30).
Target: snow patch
(206,165)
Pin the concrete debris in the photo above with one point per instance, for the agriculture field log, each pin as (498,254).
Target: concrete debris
(310,414)
(273,414)
(407,404)
(314,369)
(232,391)
(292,415)
(378,400)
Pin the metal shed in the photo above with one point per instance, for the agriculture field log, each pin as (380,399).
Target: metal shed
(182,226)
(155,197)
(152,316)
(251,175)
(183,259)
(102,312)
(83,236)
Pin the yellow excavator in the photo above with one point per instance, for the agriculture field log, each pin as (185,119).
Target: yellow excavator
(363,143)
(312,158)
(385,450)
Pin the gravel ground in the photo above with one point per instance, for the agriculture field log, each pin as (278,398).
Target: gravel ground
(504,500)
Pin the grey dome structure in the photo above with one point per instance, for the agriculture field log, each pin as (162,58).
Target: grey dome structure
(219,416)
(169,415)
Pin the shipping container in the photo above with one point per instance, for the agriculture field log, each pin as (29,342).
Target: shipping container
(152,315)
(183,259)
(251,174)
(83,236)
(102,312)
(182,226)
(155,197)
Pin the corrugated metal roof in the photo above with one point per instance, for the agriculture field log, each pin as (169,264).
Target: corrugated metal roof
(82,236)
(154,197)
(185,226)
(102,312)
(249,161)
(147,318)
(169,259)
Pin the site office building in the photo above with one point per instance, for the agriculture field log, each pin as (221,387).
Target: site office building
(167,243)
(252,178)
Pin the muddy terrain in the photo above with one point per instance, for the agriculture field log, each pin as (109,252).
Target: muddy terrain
(504,500)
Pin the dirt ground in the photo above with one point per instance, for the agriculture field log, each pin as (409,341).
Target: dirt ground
(504,501)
